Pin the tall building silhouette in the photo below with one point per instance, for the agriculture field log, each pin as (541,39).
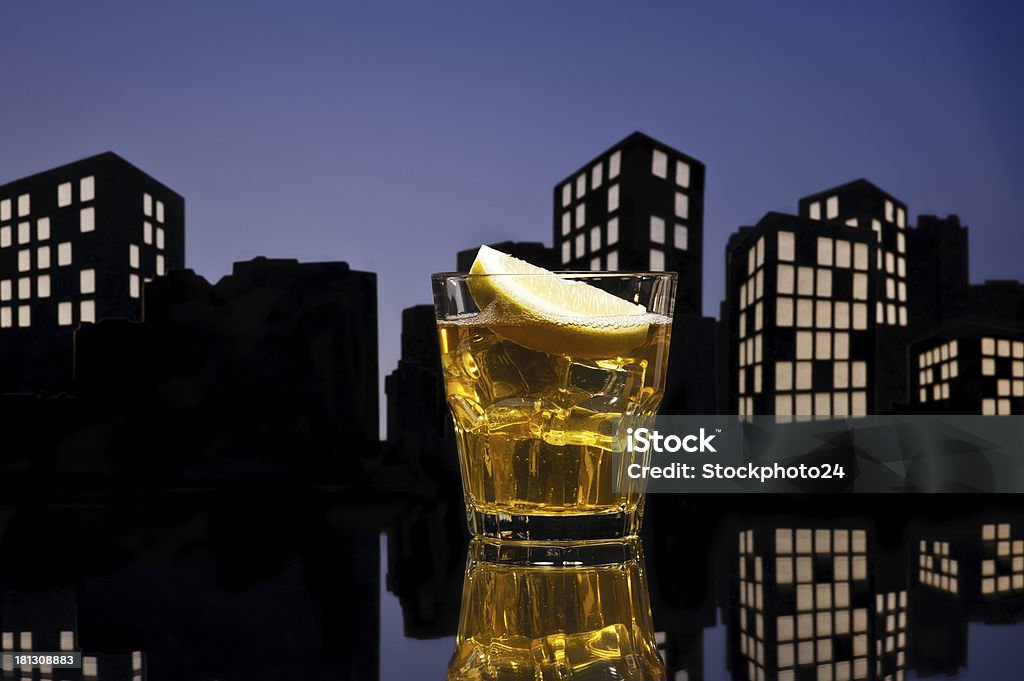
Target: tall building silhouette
(800,295)
(637,206)
(77,243)
(938,275)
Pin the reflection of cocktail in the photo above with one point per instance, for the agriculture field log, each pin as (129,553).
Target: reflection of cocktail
(544,374)
(529,612)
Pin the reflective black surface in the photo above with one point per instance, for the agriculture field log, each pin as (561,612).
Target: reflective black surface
(324,584)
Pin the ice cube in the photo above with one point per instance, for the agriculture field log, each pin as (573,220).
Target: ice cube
(519,416)
(587,424)
(601,655)
(468,415)
(502,369)
(605,378)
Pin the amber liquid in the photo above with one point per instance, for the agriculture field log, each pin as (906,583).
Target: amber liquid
(529,623)
(537,431)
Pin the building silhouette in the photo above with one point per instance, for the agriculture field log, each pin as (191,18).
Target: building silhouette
(271,371)
(77,243)
(800,294)
(637,206)
(938,273)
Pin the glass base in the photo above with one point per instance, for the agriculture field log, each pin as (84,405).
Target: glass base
(554,528)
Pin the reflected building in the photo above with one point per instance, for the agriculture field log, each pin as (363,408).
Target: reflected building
(804,606)
(77,244)
(47,622)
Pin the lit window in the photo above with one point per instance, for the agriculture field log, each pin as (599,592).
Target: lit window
(804,313)
(89,666)
(613,165)
(595,239)
(5,289)
(24,232)
(888,211)
(64,254)
(657,260)
(804,345)
(137,661)
(87,188)
(581,245)
(860,286)
(5,237)
(784,312)
(88,311)
(147,228)
(566,194)
(841,375)
(860,256)
(657,230)
(682,174)
(823,345)
(786,246)
(87,219)
(832,207)
(842,253)
(890,314)
(613,260)
(24,288)
(43,286)
(67,640)
(890,263)
(824,251)
(5,209)
(890,287)
(682,237)
(581,189)
(5,318)
(566,253)
(901,266)
(24,260)
(682,206)
(805,281)
(842,344)
(24,321)
(842,315)
(24,205)
(659,164)
(901,243)
(823,314)
(64,194)
(613,198)
(133,280)
(147,204)
(613,231)
(901,218)
(133,254)
(879,312)
(43,229)
(43,257)
(26,636)
(581,216)
(64,314)
(815,211)
(596,177)
(595,264)
(87,281)
(825,283)
(851,222)
(860,316)
(783,375)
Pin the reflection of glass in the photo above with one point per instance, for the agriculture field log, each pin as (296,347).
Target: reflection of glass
(538,418)
(535,611)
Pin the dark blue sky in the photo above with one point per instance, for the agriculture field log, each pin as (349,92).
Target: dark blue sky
(393,134)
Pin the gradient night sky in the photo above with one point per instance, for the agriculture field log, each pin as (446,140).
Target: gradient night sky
(392,135)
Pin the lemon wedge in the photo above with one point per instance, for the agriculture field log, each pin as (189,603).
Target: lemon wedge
(539,309)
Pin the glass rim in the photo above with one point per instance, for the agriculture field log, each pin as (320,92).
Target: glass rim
(581,274)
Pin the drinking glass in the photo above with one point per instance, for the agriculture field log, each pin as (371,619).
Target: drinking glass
(542,408)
